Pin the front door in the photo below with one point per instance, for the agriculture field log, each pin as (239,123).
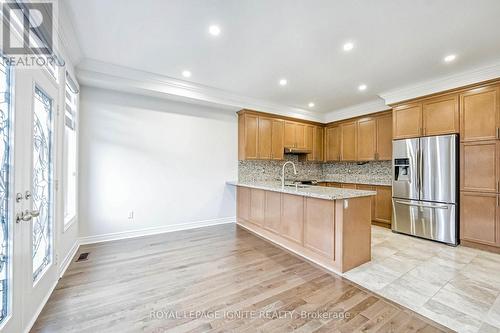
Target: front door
(28,269)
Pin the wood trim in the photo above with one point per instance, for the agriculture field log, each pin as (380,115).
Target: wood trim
(277,116)
(479,246)
(449,91)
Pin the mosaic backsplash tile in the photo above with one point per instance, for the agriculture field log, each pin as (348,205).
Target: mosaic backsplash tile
(379,172)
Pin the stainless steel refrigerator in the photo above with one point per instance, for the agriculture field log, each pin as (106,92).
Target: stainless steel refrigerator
(424,187)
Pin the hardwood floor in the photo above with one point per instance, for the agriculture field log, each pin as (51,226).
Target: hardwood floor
(214,279)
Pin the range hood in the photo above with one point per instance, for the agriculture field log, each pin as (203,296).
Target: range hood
(297,151)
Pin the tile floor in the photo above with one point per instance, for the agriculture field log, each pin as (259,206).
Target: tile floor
(458,287)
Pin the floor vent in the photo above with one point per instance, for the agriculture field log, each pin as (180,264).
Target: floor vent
(83,256)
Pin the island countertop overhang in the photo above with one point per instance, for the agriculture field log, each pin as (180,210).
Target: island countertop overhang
(318,192)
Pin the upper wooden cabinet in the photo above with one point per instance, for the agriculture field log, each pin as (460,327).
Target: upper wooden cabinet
(440,115)
(348,141)
(435,116)
(407,121)
(317,143)
(384,138)
(480,114)
(260,138)
(366,139)
(248,133)
(270,139)
(332,144)
(295,135)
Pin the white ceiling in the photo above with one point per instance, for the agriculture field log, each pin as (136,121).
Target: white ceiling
(397,43)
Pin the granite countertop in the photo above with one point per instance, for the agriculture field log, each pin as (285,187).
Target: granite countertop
(357,179)
(320,192)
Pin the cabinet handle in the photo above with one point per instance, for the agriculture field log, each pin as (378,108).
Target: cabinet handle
(498,132)
(498,186)
(498,200)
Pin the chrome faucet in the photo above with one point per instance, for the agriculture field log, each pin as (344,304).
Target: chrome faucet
(283,173)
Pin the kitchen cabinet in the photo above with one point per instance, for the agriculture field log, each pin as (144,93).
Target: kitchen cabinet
(440,115)
(480,166)
(480,114)
(480,218)
(295,135)
(332,142)
(257,206)
(330,184)
(260,138)
(366,139)
(292,217)
(318,229)
(348,140)
(383,205)
(272,211)
(384,138)
(309,137)
(348,185)
(248,132)
(315,133)
(407,121)
(373,198)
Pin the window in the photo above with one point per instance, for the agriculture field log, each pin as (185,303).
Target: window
(70,151)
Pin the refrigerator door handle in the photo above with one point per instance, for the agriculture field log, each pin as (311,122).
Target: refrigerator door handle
(420,170)
(421,205)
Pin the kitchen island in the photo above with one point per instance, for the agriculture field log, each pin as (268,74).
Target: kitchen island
(328,226)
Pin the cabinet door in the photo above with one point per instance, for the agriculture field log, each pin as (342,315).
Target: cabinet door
(318,144)
(265,138)
(257,206)
(373,198)
(348,141)
(366,140)
(480,166)
(337,185)
(272,214)
(290,139)
(332,148)
(292,218)
(243,206)
(318,226)
(384,138)
(440,116)
(407,121)
(479,218)
(349,186)
(277,149)
(479,114)
(309,137)
(250,134)
(300,136)
(383,204)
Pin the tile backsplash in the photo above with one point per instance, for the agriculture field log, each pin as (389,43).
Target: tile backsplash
(339,171)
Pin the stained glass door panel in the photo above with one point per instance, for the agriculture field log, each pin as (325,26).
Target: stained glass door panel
(5,216)
(42,182)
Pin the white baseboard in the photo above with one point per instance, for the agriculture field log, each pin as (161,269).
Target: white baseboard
(154,230)
(69,257)
(40,308)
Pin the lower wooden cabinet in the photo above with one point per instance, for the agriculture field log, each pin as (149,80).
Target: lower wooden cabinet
(383,206)
(480,218)
(257,206)
(292,217)
(381,203)
(318,231)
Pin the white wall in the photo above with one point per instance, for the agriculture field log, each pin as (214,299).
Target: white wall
(165,161)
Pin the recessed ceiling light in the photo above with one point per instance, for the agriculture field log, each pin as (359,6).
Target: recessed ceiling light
(214,30)
(348,46)
(186,73)
(450,58)
(283,82)
(311,104)
(362,87)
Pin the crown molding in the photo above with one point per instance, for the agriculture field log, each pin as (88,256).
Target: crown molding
(373,106)
(104,75)
(442,84)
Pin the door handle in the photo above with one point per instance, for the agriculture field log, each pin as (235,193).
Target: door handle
(27,216)
(422,205)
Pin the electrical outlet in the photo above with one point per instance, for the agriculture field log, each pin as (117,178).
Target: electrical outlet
(131,215)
